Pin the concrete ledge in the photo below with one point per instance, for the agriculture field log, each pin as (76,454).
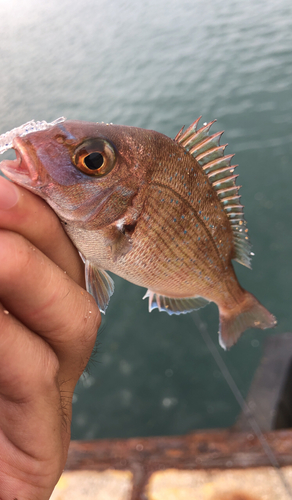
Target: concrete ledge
(248,484)
(92,485)
(263,483)
(209,465)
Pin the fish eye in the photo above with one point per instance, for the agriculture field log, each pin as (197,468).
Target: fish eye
(93,161)
(95,157)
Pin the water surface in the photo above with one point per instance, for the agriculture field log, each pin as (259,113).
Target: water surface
(160,64)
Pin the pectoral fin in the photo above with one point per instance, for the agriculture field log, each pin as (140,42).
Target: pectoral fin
(172,305)
(119,241)
(99,284)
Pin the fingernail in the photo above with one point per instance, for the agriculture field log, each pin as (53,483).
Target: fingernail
(9,194)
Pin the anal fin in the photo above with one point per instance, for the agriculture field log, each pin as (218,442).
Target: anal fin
(172,305)
(99,284)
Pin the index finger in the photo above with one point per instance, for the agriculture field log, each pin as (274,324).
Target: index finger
(48,303)
(27,214)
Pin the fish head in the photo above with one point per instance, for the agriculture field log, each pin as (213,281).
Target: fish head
(87,172)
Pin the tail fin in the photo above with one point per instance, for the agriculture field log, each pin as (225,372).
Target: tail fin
(249,314)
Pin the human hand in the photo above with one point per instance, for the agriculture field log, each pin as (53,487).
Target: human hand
(48,326)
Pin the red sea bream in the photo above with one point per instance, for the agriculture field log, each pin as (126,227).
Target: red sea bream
(163,214)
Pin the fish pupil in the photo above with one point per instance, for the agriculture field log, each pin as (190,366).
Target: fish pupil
(94,161)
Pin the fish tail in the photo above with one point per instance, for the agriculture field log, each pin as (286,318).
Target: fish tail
(248,314)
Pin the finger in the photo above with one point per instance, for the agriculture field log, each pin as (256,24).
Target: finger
(27,214)
(18,347)
(29,401)
(48,302)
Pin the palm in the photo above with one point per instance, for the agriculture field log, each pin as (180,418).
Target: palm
(45,342)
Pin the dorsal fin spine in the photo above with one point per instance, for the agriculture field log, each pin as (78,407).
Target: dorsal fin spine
(224,180)
(197,137)
(231,198)
(201,146)
(210,156)
(234,206)
(234,215)
(221,172)
(190,130)
(222,196)
(228,190)
(178,135)
(224,161)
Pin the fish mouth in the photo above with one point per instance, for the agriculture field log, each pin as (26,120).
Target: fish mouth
(21,170)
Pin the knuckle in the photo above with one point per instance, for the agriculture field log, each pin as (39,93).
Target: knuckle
(90,320)
(44,376)
(15,254)
(3,319)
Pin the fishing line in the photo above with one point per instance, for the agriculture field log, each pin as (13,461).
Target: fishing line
(248,413)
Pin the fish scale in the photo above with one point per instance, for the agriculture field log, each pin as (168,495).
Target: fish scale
(195,230)
(164,214)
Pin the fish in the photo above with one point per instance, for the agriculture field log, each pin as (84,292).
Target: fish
(162,213)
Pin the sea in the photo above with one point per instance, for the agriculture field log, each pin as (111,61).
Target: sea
(159,64)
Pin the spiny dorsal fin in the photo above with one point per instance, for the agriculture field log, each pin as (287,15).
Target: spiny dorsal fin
(210,156)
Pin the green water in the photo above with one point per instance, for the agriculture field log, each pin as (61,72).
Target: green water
(160,64)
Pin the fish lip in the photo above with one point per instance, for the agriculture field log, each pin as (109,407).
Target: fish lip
(21,170)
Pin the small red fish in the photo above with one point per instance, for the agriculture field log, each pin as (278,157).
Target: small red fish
(164,214)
